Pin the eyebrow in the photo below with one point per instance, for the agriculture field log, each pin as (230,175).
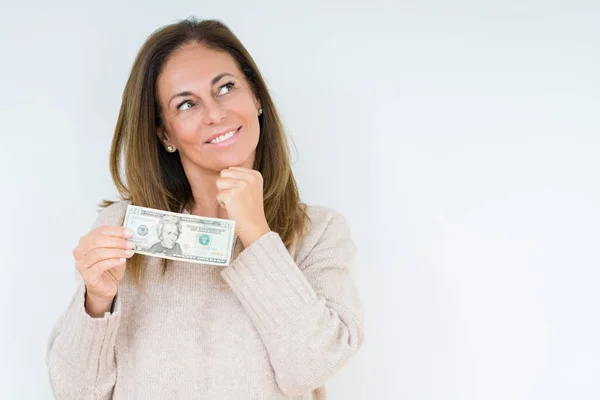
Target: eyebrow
(212,82)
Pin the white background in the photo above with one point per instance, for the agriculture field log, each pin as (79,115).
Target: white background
(461,141)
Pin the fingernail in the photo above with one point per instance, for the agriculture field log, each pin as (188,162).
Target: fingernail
(128,232)
(130,244)
(121,260)
(128,253)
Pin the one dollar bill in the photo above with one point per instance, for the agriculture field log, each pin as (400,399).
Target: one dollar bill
(182,237)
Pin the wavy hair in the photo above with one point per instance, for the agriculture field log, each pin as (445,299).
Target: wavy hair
(149,176)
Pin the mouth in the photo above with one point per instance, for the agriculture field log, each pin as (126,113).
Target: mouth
(224,137)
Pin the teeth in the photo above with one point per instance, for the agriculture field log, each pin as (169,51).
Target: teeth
(223,137)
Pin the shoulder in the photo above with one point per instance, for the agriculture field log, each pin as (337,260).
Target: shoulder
(113,214)
(324,219)
(328,232)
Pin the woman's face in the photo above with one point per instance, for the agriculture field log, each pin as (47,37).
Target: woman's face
(209,110)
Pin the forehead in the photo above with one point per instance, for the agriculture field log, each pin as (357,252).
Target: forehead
(194,64)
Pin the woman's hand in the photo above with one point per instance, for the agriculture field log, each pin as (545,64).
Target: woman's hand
(100,259)
(241,194)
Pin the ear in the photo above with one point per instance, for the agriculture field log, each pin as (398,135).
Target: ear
(257,103)
(162,136)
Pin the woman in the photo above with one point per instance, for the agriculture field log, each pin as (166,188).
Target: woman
(198,133)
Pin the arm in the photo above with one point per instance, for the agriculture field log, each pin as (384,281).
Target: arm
(80,354)
(308,313)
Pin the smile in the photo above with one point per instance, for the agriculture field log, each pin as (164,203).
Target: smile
(225,137)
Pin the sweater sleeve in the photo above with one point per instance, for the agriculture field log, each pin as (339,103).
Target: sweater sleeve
(80,353)
(307,311)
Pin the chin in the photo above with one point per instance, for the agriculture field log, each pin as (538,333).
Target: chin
(234,160)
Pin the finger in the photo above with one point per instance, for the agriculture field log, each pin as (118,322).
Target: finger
(108,265)
(118,272)
(249,175)
(103,253)
(77,253)
(224,197)
(87,241)
(237,173)
(116,231)
(249,172)
(242,169)
(112,275)
(228,183)
(88,260)
(109,242)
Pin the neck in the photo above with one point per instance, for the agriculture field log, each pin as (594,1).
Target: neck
(204,191)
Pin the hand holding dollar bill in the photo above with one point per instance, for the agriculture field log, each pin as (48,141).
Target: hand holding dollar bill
(182,237)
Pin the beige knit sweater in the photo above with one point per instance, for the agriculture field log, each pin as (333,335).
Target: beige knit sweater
(274,324)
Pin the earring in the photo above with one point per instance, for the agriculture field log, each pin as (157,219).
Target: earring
(259,111)
(170,149)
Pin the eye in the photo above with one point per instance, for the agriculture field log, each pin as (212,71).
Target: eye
(179,107)
(229,87)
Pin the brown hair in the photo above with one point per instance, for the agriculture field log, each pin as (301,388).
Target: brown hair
(148,176)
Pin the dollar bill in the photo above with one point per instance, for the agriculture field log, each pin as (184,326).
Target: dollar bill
(182,237)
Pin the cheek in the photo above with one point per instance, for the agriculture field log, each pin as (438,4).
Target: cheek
(244,106)
(250,115)
(185,130)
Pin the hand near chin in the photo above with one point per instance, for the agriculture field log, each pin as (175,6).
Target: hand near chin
(241,194)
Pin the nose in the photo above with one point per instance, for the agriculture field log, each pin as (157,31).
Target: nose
(213,112)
